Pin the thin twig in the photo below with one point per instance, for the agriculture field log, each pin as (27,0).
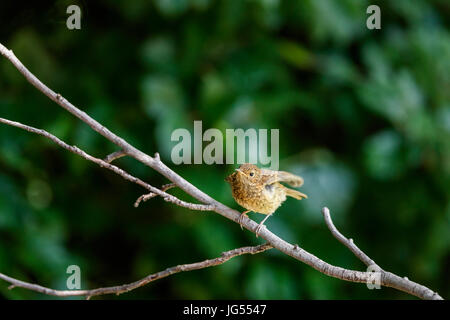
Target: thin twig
(126,147)
(349,243)
(166,196)
(114,156)
(224,257)
(386,278)
(60,100)
(151,195)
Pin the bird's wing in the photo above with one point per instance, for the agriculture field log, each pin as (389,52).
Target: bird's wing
(271,176)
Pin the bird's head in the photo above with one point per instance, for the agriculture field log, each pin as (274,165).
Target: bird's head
(247,174)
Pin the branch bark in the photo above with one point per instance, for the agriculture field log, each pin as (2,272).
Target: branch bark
(387,279)
(151,195)
(224,257)
(114,156)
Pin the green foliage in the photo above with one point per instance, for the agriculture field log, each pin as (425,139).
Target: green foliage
(364,117)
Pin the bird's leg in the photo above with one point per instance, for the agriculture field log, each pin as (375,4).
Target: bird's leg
(243,214)
(258,229)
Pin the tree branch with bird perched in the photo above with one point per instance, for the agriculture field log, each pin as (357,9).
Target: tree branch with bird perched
(207,203)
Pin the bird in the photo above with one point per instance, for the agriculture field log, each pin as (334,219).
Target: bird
(259,190)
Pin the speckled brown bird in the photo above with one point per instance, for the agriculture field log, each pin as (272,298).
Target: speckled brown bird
(260,190)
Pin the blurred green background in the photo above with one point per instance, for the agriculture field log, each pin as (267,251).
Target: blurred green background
(364,117)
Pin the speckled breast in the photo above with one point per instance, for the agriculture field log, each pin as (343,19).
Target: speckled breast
(263,200)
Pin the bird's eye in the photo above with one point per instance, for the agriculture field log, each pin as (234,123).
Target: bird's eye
(252,174)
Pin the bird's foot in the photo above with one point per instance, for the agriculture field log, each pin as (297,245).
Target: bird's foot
(241,217)
(258,229)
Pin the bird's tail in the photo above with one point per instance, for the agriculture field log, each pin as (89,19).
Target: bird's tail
(295,194)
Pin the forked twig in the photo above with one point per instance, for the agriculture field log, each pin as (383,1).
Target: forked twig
(151,195)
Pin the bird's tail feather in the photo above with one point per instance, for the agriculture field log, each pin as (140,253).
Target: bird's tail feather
(295,194)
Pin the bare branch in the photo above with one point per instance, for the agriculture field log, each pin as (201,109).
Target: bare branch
(126,147)
(349,243)
(115,155)
(59,99)
(387,279)
(224,257)
(151,195)
(166,196)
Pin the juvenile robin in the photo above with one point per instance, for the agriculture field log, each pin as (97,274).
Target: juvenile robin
(260,190)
